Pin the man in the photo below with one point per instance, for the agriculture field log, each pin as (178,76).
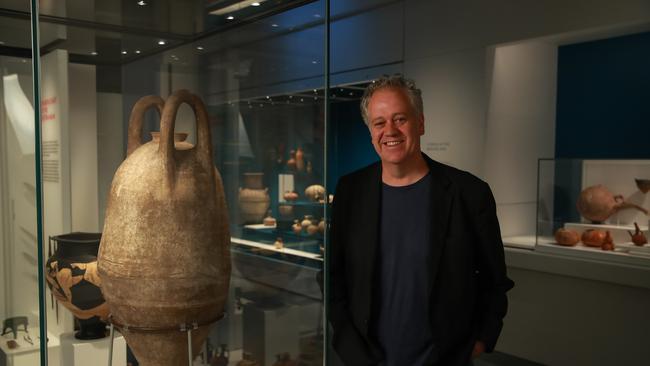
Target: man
(417,266)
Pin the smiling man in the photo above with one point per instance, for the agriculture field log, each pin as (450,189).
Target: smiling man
(417,267)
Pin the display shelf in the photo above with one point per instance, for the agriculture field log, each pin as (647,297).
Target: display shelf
(619,232)
(520,241)
(271,248)
(618,255)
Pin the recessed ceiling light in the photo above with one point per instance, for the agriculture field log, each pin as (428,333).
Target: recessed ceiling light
(274,25)
(314,62)
(230,17)
(200,48)
(137,52)
(162,42)
(255,4)
(316,15)
(94,53)
(142,3)
(124,52)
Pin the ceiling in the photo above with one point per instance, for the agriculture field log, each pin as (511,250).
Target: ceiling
(122,31)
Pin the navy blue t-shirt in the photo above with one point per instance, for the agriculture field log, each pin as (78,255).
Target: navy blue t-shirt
(402,325)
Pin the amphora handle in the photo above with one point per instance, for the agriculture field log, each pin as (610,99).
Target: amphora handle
(203,148)
(136,120)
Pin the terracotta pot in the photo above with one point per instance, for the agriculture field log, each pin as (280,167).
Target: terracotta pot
(269,220)
(593,238)
(312,229)
(306,221)
(164,258)
(638,238)
(291,163)
(296,227)
(597,203)
(290,196)
(71,274)
(567,237)
(315,192)
(253,204)
(300,160)
(608,242)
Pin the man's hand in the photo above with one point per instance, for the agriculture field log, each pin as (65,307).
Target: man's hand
(479,347)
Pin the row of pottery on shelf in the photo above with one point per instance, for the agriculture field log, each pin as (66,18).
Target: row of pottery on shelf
(308,225)
(596,238)
(597,203)
(166,205)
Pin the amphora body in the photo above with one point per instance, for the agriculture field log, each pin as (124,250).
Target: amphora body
(164,257)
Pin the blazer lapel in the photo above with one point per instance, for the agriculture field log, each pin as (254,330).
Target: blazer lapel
(440,207)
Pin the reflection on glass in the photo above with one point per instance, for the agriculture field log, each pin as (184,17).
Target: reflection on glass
(19,341)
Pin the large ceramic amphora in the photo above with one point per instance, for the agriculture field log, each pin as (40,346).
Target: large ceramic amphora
(71,274)
(254,200)
(164,258)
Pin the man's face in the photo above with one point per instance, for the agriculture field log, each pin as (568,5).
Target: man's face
(395,126)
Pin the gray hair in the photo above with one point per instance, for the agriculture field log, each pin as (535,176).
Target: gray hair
(396,81)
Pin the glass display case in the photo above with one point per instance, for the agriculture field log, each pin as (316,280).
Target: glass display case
(259,69)
(594,209)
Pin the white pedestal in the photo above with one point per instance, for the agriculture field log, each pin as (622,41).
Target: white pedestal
(270,330)
(28,354)
(76,352)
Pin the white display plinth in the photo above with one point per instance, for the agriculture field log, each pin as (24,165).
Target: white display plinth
(76,352)
(28,354)
(270,330)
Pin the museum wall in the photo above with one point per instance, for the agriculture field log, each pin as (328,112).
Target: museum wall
(110,145)
(83,152)
(601,82)
(566,321)
(520,128)
(18,207)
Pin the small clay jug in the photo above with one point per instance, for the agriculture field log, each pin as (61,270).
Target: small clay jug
(321,226)
(638,238)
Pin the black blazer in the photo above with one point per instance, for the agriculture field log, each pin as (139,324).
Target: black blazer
(467,298)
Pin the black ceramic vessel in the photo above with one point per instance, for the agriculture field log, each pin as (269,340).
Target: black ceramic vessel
(71,274)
